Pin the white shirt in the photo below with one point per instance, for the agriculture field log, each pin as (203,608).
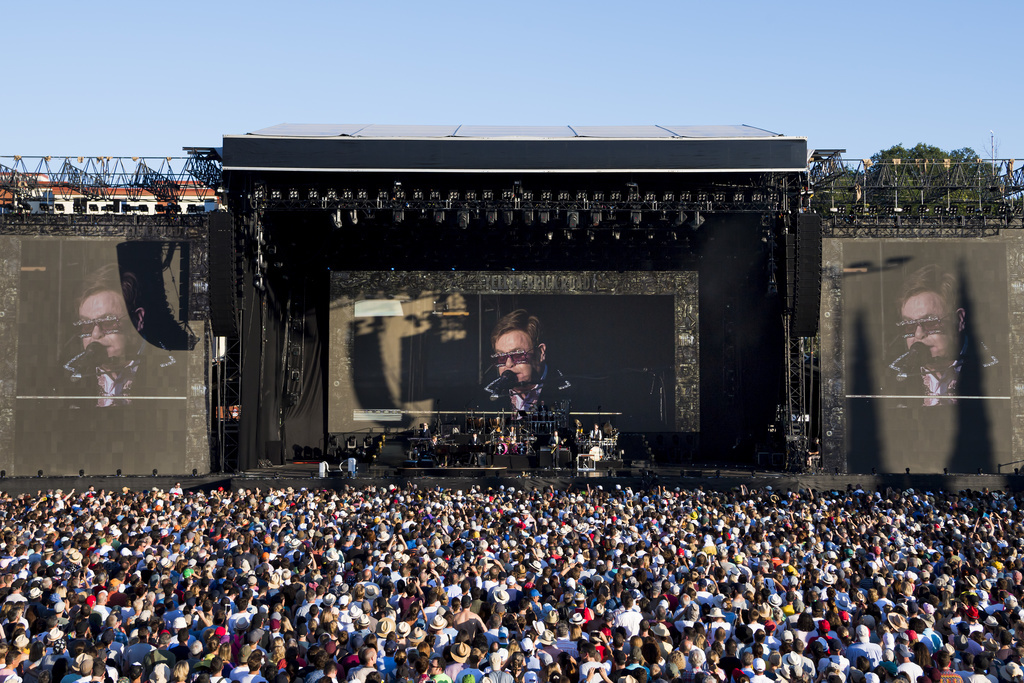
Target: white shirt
(630,620)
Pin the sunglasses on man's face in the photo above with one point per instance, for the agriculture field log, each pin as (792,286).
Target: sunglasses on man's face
(110,324)
(931,325)
(517,358)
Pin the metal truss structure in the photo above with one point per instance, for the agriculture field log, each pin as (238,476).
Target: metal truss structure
(35,183)
(915,197)
(796,429)
(519,204)
(227,378)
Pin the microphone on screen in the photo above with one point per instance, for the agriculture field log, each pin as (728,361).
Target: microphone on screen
(920,354)
(502,384)
(87,361)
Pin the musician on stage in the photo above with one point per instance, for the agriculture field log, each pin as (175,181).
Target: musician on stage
(432,448)
(476,446)
(596,434)
(520,359)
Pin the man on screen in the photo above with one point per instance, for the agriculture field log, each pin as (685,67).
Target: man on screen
(520,359)
(110,320)
(933,326)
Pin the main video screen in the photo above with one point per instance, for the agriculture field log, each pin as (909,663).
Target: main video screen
(407,346)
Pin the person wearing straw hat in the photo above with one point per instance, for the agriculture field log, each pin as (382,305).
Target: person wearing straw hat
(459,654)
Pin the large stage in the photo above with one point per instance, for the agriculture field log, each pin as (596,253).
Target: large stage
(672,290)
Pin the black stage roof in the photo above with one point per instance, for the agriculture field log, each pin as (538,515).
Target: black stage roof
(519,149)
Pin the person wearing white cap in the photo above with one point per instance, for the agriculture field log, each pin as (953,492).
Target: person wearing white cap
(863,647)
(758,668)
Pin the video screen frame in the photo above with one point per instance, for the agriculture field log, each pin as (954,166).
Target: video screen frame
(442,297)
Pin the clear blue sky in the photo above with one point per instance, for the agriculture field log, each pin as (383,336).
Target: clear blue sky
(140,78)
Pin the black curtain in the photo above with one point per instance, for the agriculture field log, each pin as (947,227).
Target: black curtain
(304,419)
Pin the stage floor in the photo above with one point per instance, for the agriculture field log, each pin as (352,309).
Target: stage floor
(306,476)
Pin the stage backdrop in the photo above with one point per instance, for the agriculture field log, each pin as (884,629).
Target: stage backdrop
(918,356)
(617,346)
(114,298)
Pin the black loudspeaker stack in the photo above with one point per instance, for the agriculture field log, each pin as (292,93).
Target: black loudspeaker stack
(803,275)
(223,275)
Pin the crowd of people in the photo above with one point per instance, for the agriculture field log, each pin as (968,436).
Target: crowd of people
(587,585)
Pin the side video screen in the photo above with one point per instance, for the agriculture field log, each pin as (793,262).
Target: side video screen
(927,367)
(102,356)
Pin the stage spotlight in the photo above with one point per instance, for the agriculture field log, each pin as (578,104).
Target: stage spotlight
(492,216)
(679,219)
(439,216)
(507,217)
(154,471)
(572,219)
(463,219)
(595,218)
(616,234)
(697,220)
(81,473)
(550,235)
(337,219)
(545,216)
(399,215)
(634,217)
(528,216)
